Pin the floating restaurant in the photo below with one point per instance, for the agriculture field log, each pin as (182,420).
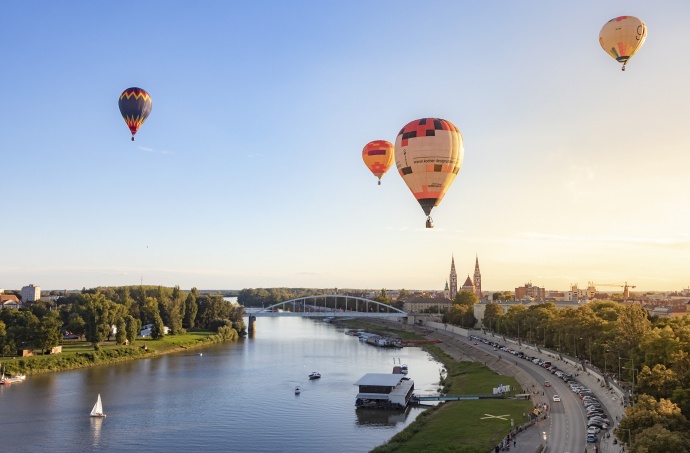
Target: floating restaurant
(384,391)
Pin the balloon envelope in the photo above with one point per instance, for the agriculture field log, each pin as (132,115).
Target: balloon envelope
(378,156)
(135,105)
(428,156)
(622,37)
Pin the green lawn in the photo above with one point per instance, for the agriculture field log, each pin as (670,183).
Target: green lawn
(459,426)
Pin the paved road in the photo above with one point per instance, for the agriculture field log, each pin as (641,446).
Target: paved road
(611,402)
(565,427)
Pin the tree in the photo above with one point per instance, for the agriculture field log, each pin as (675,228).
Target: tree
(658,438)
(121,335)
(3,338)
(492,313)
(49,335)
(133,326)
(99,314)
(158,330)
(648,412)
(191,309)
(467,298)
(76,325)
(383,297)
(658,381)
(21,328)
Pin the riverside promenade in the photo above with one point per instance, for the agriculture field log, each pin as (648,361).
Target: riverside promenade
(454,343)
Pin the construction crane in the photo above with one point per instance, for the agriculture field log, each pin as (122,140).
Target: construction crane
(625,286)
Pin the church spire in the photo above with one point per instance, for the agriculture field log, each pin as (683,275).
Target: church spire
(477,278)
(453,279)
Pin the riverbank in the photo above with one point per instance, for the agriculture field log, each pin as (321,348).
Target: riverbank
(82,354)
(462,426)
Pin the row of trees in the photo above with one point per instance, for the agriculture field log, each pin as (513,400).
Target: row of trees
(92,314)
(627,344)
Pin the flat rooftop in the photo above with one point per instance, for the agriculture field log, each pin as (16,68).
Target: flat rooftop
(380,379)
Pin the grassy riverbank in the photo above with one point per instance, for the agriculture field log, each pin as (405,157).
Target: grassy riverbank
(457,426)
(82,354)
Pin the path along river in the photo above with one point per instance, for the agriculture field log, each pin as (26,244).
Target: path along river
(233,397)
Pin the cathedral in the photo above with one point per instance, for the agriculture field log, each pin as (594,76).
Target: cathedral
(469,285)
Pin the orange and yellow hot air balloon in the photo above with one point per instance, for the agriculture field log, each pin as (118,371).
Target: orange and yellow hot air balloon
(428,155)
(622,37)
(378,156)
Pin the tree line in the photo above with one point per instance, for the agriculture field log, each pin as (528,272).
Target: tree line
(627,344)
(92,313)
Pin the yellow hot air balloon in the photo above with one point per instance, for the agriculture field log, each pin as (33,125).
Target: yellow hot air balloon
(428,155)
(622,37)
(378,157)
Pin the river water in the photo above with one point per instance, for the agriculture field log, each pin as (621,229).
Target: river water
(232,397)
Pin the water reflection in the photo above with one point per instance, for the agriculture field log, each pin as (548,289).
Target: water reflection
(381,417)
(96,424)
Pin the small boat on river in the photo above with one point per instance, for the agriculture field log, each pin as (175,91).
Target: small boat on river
(314,375)
(97,410)
(298,390)
(5,380)
(404,369)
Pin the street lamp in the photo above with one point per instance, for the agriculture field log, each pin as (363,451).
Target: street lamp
(629,435)
(632,395)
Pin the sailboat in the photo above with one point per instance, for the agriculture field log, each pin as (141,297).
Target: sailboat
(97,410)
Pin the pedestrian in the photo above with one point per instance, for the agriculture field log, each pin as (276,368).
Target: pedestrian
(514,443)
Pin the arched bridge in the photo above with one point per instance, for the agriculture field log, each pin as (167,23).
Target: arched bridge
(330,305)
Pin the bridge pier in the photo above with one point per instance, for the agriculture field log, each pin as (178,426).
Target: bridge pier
(252,321)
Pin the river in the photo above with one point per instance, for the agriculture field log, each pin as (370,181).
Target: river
(232,397)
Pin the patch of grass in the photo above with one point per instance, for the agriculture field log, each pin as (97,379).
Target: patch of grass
(460,426)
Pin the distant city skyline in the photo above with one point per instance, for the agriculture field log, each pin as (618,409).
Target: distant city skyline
(248,171)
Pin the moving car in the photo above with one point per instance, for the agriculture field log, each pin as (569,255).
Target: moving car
(557,398)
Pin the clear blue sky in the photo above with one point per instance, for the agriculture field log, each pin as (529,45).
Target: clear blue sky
(248,173)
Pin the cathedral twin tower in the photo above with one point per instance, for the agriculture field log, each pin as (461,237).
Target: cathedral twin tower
(469,285)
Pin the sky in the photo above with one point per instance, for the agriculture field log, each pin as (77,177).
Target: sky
(248,172)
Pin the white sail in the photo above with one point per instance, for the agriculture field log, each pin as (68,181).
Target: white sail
(97,410)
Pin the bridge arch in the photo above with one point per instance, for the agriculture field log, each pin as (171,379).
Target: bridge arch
(331,305)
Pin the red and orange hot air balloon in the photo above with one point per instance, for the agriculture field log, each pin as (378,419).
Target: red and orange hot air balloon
(378,156)
(428,155)
(135,106)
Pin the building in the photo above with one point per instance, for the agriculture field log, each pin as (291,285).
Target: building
(380,390)
(530,292)
(453,279)
(31,293)
(425,304)
(577,295)
(477,278)
(9,301)
(469,285)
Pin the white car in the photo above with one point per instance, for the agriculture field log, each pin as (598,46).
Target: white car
(592,430)
(557,398)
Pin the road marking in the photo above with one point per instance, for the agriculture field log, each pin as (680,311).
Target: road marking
(501,417)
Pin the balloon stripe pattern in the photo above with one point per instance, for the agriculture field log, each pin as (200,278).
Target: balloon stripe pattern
(378,157)
(135,106)
(622,37)
(428,155)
